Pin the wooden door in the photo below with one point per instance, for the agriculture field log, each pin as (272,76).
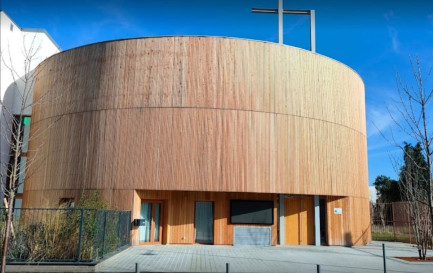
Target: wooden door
(307,221)
(299,220)
(292,208)
(151,230)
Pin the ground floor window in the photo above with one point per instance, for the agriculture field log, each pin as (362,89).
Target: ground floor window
(251,212)
(204,222)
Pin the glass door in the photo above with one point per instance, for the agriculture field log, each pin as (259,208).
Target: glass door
(150,230)
(204,222)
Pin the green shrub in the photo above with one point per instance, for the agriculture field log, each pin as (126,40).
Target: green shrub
(53,235)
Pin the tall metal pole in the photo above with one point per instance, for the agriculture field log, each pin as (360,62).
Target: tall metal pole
(280,11)
(384,258)
(280,21)
(313,30)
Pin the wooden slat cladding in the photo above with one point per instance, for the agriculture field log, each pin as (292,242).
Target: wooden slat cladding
(201,149)
(203,72)
(352,226)
(199,114)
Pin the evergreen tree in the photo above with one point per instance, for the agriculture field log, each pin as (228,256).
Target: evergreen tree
(387,189)
(414,174)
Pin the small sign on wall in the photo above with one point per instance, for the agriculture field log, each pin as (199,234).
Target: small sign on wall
(338,210)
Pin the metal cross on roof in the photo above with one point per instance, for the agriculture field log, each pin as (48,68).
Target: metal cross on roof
(280,11)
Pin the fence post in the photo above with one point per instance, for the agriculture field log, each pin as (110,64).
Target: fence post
(128,231)
(118,228)
(137,268)
(103,233)
(384,258)
(393,219)
(409,224)
(79,235)
(318,268)
(227,267)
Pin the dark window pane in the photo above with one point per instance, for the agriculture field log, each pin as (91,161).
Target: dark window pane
(251,212)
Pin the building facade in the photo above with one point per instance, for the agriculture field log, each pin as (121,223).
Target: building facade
(207,140)
(16,43)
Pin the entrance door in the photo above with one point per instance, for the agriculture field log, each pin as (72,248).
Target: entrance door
(204,222)
(150,232)
(299,220)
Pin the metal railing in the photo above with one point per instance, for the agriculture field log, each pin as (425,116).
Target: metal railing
(79,236)
(391,222)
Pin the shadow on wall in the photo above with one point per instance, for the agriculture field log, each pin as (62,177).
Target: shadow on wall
(348,239)
(364,236)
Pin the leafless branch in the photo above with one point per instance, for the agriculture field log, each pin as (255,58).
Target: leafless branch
(411,118)
(13,131)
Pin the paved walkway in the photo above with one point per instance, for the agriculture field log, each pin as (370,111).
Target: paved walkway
(203,258)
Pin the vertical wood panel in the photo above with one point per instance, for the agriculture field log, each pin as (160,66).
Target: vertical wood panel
(352,227)
(299,220)
(336,230)
(307,221)
(292,207)
(179,224)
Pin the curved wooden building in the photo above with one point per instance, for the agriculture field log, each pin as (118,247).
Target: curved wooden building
(207,140)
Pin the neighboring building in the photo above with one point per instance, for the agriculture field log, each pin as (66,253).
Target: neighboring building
(372,192)
(207,140)
(15,42)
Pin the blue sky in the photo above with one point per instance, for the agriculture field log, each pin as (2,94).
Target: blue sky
(375,38)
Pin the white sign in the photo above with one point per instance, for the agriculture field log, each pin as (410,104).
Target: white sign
(338,210)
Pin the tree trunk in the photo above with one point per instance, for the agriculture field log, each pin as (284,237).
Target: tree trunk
(7,233)
(12,188)
(427,147)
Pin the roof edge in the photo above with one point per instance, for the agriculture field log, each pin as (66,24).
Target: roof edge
(37,30)
(211,36)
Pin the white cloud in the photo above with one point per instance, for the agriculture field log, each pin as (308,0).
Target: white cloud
(388,15)
(430,18)
(301,20)
(392,32)
(378,120)
(395,43)
(117,20)
(118,15)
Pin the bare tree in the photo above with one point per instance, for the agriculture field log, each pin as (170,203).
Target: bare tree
(12,173)
(381,213)
(414,191)
(413,107)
